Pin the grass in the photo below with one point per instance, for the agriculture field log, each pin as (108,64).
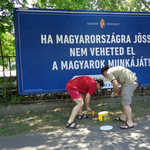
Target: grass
(56,117)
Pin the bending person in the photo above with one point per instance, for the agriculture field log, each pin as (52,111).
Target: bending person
(128,80)
(77,88)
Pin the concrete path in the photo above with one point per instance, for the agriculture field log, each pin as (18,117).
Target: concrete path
(92,138)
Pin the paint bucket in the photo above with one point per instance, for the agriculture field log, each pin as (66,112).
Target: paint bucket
(103,115)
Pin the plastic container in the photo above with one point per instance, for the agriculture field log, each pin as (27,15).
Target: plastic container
(103,115)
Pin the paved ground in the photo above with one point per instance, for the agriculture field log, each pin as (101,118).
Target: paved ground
(91,138)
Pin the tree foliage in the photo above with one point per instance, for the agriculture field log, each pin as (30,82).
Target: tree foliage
(64,4)
(124,5)
(102,5)
(6,14)
(7,45)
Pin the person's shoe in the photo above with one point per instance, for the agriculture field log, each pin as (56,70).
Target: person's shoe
(126,126)
(75,126)
(82,116)
(119,119)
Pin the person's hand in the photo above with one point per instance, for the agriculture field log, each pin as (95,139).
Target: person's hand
(116,94)
(89,109)
(119,91)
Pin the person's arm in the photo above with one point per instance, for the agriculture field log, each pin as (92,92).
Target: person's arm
(115,85)
(87,102)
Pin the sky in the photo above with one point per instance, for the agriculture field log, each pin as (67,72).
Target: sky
(30,2)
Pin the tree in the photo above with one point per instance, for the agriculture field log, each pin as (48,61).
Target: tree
(8,47)
(8,44)
(6,14)
(124,5)
(64,4)
(102,5)
(6,22)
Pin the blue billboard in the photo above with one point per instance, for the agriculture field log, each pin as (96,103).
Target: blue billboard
(54,46)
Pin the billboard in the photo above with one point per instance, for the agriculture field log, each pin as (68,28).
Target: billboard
(54,46)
